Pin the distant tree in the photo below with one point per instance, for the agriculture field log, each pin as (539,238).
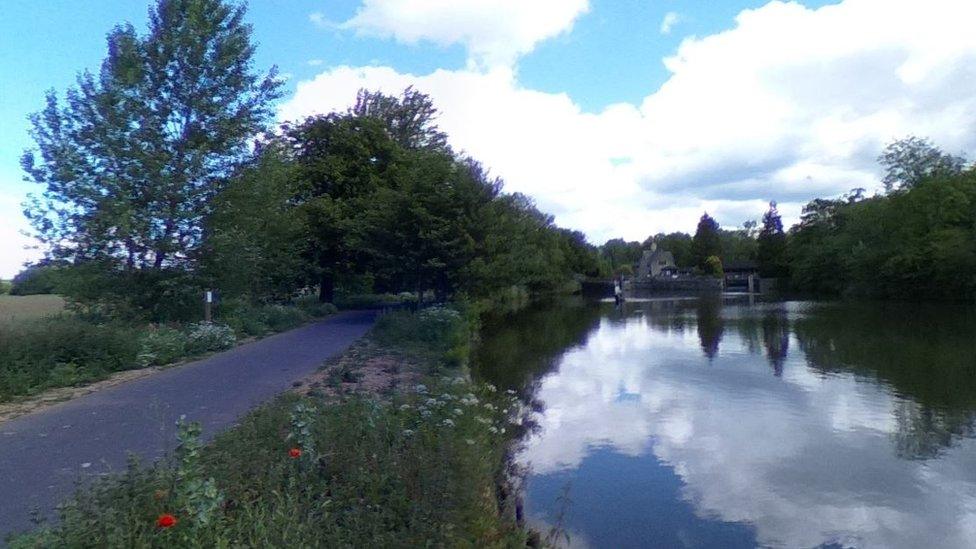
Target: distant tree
(618,252)
(772,245)
(40,278)
(706,242)
(909,161)
(132,160)
(679,244)
(713,266)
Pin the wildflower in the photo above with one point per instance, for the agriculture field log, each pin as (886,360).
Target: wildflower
(458,381)
(295,453)
(490,406)
(502,430)
(166,520)
(510,392)
(457,411)
(432,402)
(159,495)
(469,441)
(493,429)
(425,413)
(404,407)
(484,420)
(407,432)
(422,389)
(448,423)
(491,388)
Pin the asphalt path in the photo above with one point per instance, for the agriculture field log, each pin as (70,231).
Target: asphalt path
(44,454)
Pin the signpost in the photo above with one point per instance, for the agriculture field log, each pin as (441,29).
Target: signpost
(207,304)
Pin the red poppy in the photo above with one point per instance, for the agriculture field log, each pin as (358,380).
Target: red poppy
(166,520)
(295,453)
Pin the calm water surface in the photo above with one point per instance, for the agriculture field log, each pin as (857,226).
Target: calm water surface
(725,423)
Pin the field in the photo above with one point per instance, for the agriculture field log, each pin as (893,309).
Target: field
(15,308)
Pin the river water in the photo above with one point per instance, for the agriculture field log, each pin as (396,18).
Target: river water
(726,422)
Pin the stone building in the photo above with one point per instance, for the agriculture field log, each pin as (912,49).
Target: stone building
(656,263)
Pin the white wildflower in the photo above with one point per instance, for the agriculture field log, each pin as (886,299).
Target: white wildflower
(493,429)
(469,441)
(404,407)
(422,389)
(448,423)
(484,420)
(491,388)
(431,402)
(457,411)
(425,413)
(407,432)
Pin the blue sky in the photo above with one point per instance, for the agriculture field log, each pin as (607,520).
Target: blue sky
(573,101)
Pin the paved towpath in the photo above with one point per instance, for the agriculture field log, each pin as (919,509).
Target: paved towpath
(42,454)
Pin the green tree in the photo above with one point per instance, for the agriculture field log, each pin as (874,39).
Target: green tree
(342,161)
(256,244)
(706,242)
(772,245)
(410,118)
(133,158)
(909,161)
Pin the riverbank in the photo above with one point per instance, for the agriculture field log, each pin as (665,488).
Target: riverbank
(391,443)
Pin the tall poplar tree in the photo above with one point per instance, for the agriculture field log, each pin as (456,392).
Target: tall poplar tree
(133,156)
(707,242)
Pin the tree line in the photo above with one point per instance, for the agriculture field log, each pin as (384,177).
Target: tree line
(163,175)
(915,240)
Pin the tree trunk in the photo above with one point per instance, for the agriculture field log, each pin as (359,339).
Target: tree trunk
(326,288)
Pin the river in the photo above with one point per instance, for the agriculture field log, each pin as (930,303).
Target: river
(729,422)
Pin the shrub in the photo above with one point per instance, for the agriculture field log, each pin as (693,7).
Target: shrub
(374,301)
(443,331)
(162,345)
(312,306)
(279,318)
(208,336)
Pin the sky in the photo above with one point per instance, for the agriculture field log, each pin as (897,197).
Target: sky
(623,118)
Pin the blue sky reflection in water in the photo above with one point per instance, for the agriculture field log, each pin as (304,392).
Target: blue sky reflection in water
(698,424)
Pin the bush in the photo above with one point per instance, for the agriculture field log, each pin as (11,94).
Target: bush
(5,287)
(162,345)
(61,351)
(312,306)
(374,301)
(443,331)
(207,336)
(279,318)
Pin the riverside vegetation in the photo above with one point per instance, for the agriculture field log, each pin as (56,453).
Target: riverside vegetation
(416,467)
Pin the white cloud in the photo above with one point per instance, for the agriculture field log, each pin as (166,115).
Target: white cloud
(495,32)
(769,110)
(315,62)
(671,19)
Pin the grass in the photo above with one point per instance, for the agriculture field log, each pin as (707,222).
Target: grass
(15,309)
(417,468)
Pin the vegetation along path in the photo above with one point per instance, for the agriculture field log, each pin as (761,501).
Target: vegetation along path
(44,453)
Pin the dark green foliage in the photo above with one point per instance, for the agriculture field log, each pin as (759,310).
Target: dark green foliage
(772,245)
(5,287)
(621,256)
(133,158)
(41,278)
(706,242)
(679,244)
(915,244)
(62,351)
(444,333)
(255,239)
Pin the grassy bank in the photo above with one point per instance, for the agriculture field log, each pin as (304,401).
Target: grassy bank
(416,466)
(68,349)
